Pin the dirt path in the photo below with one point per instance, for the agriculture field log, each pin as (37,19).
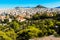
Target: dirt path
(47,38)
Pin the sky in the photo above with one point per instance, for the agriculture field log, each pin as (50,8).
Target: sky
(28,3)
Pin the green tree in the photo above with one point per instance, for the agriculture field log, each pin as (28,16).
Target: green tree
(15,25)
(3,36)
(36,16)
(11,33)
(28,33)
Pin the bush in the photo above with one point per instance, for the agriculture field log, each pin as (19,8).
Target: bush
(3,36)
(30,32)
(15,25)
(36,16)
(11,33)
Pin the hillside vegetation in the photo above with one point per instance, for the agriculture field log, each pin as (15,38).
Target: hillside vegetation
(38,25)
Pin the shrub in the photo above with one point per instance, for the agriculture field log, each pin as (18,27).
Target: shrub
(3,36)
(30,32)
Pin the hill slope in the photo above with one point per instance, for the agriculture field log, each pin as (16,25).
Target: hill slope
(40,6)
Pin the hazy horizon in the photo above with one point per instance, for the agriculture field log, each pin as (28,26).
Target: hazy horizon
(29,3)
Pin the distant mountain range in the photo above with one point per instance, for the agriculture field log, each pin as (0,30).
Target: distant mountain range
(58,7)
(38,6)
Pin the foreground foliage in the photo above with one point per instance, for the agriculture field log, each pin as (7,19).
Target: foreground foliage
(37,26)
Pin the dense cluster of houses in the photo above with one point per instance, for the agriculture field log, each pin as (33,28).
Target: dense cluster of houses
(20,13)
